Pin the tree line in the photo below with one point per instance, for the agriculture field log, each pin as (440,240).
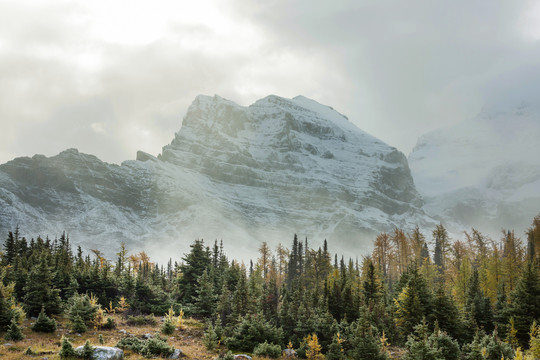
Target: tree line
(471,298)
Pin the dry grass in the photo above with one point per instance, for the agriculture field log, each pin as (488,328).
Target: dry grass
(48,345)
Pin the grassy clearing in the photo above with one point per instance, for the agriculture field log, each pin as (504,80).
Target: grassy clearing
(48,345)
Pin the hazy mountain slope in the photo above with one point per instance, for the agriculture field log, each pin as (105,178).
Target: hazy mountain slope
(244,174)
(484,172)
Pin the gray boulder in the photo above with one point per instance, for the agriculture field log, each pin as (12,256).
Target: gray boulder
(242,357)
(177,354)
(104,353)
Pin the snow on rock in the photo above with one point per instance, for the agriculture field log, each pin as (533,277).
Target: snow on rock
(242,174)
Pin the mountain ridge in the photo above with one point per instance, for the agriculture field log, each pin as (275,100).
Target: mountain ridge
(276,167)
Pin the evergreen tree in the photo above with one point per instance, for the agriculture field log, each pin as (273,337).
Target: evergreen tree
(10,248)
(477,305)
(441,240)
(192,268)
(39,290)
(14,332)
(205,300)
(66,351)
(501,314)
(447,315)
(370,286)
(525,307)
(363,343)
(335,350)
(44,323)
(414,301)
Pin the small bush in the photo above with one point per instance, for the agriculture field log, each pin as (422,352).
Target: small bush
(44,323)
(109,324)
(252,331)
(131,343)
(66,350)
(269,350)
(168,328)
(142,320)
(100,339)
(156,347)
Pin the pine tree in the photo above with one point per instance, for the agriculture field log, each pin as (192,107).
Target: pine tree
(10,248)
(66,351)
(414,301)
(39,290)
(477,305)
(335,350)
(525,307)
(370,286)
(441,240)
(44,323)
(195,263)
(205,300)
(14,332)
(363,343)
(446,313)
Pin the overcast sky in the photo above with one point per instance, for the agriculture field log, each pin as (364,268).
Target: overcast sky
(113,77)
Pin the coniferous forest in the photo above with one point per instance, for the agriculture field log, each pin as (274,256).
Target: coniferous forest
(412,298)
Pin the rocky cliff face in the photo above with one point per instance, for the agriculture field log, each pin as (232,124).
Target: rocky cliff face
(243,174)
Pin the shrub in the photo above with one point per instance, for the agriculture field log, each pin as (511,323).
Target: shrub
(142,320)
(156,346)
(44,323)
(266,349)
(131,343)
(66,350)
(109,324)
(167,328)
(252,331)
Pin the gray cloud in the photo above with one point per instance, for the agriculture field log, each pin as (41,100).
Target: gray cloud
(397,69)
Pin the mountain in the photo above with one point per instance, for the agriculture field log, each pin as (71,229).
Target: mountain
(483,172)
(243,174)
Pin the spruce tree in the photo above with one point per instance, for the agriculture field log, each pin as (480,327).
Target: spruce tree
(477,305)
(370,286)
(192,268)
(525,307)
(414,302)
(39,290)
(44,323)
(205,299)
(14,332)
(10,248)
(446,313)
